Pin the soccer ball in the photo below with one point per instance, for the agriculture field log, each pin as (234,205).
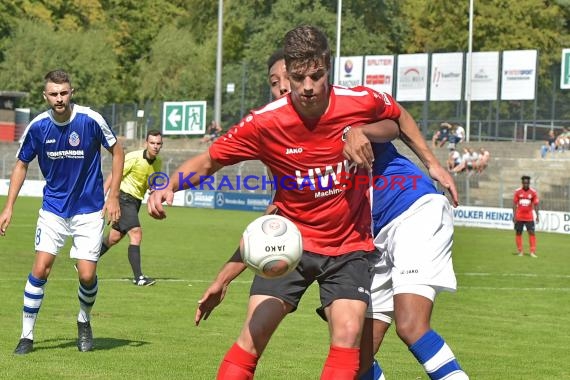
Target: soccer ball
(271,246)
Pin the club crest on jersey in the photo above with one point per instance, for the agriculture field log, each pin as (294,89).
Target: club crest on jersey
(74,139)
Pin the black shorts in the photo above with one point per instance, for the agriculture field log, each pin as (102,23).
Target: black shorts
(130,207)
(528,224)
(340,277)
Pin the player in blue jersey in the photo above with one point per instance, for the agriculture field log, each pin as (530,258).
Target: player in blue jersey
(413,232)
(67,140)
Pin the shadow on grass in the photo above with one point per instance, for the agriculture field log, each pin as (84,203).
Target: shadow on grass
(99,344)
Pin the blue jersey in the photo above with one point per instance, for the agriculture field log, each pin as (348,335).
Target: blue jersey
(69,156)
(397,184)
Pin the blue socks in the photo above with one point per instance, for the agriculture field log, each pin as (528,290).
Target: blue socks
(436,357)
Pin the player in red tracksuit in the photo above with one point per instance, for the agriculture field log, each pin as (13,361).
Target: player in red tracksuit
(525,202)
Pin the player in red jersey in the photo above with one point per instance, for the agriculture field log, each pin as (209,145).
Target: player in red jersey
(525,201)
(299,137)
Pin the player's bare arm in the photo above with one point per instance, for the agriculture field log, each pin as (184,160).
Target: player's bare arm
(111,207)
(357,147)
(193,169)
(216,292)
(17,178)
(107,184)
(410,134)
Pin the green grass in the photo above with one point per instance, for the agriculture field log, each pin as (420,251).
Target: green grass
(510,318)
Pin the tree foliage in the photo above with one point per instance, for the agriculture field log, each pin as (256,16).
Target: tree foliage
(126,51)
(36,49)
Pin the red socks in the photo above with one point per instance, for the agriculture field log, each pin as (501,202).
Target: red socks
(238,364)
(532,242)
(342,364)
(518,240)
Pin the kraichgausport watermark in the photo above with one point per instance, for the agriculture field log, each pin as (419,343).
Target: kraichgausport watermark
(325,185)
(158,181)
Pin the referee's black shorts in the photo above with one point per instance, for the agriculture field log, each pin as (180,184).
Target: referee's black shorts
(130,207)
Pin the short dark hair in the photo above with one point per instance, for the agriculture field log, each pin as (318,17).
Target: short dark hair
(525,178)
(153,132)
(276,56)
(306,45)
(57,76)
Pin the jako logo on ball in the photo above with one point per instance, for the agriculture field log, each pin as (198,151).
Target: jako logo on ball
(271,246)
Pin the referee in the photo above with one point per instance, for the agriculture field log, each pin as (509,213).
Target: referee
(139,165)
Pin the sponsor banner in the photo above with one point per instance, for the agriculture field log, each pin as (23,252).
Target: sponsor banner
(200,199)
(446,76)
(412,77)
(30,188)
(348,72)
(241,201)
(379,72)
(484,75)
(518,80)
(488,217)
(502,218)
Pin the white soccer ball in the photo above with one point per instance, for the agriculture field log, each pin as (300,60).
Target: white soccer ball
(271,246)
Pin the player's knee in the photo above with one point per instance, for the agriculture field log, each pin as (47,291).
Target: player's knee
(87,278)
(410,330)
(346,334)
(135,236)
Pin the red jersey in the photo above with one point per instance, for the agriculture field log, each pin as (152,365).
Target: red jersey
(524,201)
(306,161)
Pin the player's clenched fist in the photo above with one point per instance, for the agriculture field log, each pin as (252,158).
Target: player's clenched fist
(154,202)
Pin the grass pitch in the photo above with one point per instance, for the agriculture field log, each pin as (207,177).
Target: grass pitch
(510,318)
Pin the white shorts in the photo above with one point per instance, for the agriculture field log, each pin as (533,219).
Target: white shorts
(415,255)
(86,231)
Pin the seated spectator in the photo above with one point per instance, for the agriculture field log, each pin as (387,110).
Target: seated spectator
(453,159)
(550,144)
(214,131)
(483,160)
(459,133)
(563,140)
(441,136)
(468,161)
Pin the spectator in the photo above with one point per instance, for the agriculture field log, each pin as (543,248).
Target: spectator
(563,140)
(468,160)
(550,144)
(459,133)
(441,136)
(482,160)
(453,159)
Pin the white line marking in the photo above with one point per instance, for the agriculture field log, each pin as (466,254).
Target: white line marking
(513,289)
(514,275)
